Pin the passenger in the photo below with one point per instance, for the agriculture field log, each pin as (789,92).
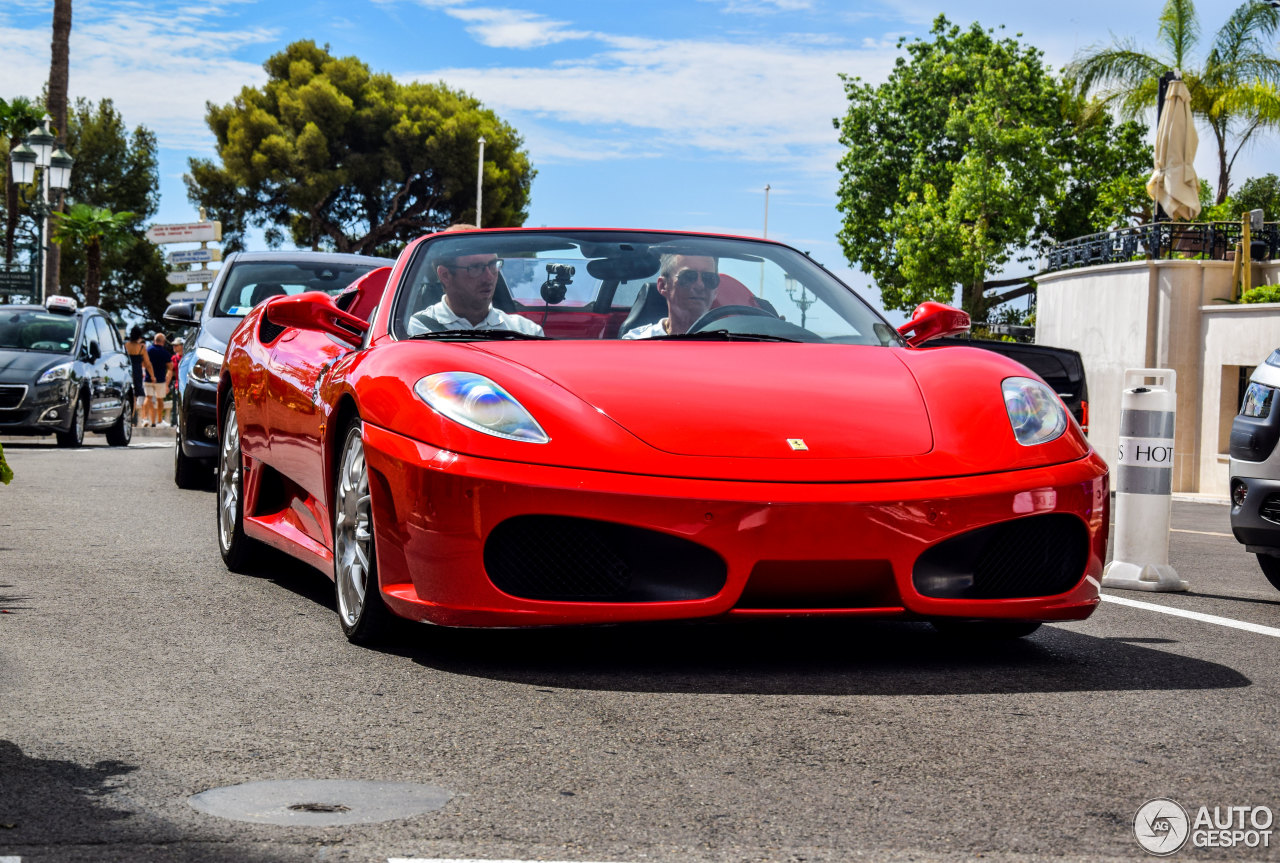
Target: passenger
(469,283)
(688,282)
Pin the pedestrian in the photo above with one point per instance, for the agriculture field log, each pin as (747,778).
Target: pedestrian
(140,364)
(158,384)
(178,345)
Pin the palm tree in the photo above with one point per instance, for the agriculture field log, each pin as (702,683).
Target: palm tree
(1234,90)
(59,75)
(94,227)
(17,118)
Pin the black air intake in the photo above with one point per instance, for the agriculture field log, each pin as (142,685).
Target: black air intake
(1040,555)
(569,559)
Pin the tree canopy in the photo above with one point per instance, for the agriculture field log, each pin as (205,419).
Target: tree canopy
(116,170)
(970,155)
(94,229)
(1234,88)
(333,156)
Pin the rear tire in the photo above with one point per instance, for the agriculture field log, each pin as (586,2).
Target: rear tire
(1270,568)
(74,436)
(984,630)
(236,548)
(122,432)
(362,612)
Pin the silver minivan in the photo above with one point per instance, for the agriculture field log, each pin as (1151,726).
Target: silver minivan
(1255,469)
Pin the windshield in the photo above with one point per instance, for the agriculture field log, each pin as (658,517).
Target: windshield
(251,282)
(632,285)
(37,330)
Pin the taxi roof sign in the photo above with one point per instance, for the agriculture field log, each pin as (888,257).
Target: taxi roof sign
(60,304)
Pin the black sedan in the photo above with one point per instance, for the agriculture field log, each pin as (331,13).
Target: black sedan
(63,371)
(246,279)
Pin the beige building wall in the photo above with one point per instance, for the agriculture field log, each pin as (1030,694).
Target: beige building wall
(1159,314)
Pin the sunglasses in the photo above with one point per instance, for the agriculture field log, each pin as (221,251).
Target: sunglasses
(474,270)
(688,278)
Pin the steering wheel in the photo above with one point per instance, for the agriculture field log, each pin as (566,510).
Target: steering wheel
(713,315)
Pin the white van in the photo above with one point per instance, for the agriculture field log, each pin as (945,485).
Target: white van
(1255,469)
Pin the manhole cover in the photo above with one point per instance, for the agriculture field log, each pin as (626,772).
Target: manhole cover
(319,802)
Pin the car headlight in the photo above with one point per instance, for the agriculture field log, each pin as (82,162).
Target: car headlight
(480,404)
(1257,401)
(60,372)
(1035,411)
(207,367)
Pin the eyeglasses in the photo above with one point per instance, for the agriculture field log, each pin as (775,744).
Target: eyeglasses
(688,278)
(475,270)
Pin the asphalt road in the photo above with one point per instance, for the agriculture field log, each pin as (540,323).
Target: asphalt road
(136,671)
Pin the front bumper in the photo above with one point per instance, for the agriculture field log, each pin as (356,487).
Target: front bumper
(198,420)
(435,511)
(43,409)
(1259,534)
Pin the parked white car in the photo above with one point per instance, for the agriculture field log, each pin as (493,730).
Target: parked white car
(1255,469)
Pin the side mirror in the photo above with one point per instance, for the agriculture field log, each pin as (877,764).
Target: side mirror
(183,314)
(933,320)
(315,311)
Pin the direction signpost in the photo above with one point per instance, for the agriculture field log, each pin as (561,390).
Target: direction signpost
(202,232)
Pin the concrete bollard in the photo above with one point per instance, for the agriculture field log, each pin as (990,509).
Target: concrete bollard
(1144,484)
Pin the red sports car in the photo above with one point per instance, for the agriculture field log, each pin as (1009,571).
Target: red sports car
(786,453)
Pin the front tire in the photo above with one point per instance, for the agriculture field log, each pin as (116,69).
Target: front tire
(1270,568)
(984,630)
(361,611)
(122,432)
(188,472)
(236,548)
(74,436)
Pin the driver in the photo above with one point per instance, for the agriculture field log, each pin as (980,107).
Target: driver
(469,282)
(688,282)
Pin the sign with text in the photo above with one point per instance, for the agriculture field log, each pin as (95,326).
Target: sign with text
(193,232)
(17,280)
(190,277)
(194,256)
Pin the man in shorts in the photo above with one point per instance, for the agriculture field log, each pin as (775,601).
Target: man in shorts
(157,390)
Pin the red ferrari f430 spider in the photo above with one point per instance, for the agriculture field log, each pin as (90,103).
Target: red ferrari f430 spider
(523,427)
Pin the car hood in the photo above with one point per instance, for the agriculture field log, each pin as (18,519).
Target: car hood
(740,412)
(216,332)
(710,399)
(21,366)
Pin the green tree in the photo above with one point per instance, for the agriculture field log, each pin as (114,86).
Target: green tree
(1258,193)
(332,156)
(93,228)
(1233,89)
(116,169)
(970,155)
(17,118)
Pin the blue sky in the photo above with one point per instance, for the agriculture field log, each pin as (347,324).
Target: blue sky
(663,114)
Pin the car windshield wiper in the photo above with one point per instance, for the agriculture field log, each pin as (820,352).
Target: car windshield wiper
(721,336)
(468,335)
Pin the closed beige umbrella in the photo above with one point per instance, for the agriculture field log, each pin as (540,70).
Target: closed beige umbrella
(1173,184)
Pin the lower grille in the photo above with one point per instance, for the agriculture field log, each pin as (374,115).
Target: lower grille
(11,395)
(1040,555)
(577,559)
(1270,509)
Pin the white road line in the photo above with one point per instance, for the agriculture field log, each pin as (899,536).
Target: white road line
(1194,615)
(1201,532)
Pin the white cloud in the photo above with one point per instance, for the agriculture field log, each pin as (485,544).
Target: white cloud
(763,101)
(500,27)
(762,7)
(158,66)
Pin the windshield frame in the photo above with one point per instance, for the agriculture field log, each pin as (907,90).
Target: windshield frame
(847,303)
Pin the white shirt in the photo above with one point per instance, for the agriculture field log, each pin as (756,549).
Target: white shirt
(496,320)
(648,331)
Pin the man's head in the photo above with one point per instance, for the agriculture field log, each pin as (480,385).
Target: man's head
(159,339)
(179,343)
(469,283)
(688,282)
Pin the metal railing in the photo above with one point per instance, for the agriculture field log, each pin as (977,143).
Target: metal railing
(1209,241)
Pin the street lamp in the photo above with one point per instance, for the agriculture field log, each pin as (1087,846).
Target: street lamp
(39,153)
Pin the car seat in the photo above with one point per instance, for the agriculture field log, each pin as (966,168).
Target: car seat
(265,291)
(649,307)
